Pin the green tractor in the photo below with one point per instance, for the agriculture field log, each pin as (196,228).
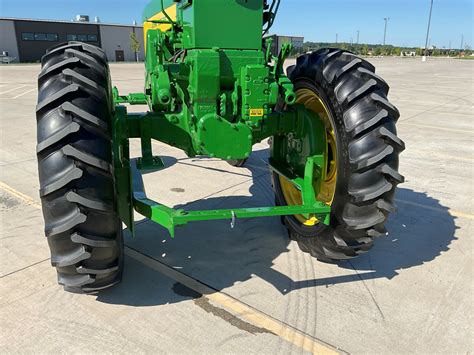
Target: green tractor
(214,89)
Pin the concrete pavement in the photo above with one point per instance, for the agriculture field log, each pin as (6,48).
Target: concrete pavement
(411,294)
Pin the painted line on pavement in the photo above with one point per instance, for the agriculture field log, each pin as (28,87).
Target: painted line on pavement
(25,198)
(242,310)
(447,210)
(28,200)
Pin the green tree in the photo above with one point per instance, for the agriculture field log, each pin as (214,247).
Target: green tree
(388,50)
(344,46)
(134,44)
(365,49)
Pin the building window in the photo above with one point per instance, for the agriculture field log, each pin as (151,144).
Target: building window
(40,36)
(28,36)
(82,38)
(48,37)
(52,37)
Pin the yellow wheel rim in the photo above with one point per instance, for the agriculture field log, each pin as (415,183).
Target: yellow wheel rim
(327,190)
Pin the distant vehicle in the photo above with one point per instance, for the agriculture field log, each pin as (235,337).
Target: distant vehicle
(5,58)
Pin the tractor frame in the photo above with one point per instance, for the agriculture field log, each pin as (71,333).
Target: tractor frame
(214,95)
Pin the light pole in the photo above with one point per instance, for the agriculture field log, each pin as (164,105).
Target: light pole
(337,35)
(386,19)
(428,33)
(358,33)
(462,42)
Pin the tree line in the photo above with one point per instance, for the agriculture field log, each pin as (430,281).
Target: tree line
(381,50)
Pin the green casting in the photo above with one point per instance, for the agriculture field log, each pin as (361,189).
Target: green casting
(213,89)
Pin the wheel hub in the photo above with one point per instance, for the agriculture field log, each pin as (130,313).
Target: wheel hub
(327,189)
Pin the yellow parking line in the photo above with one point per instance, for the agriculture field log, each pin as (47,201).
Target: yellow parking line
(447,210)
(241,310)
(27,199)
(283,331)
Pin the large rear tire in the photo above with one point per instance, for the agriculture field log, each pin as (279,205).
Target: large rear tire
(367,150)
(74,152)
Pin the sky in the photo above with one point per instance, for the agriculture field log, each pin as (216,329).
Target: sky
(316,20)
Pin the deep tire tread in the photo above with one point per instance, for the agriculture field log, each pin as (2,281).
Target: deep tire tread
(75,167)
(57,185)
(72,258)
(55,138)
(85,158)
(367,119)
(88,202)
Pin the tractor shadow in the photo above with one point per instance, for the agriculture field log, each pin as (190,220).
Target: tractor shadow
(221,257)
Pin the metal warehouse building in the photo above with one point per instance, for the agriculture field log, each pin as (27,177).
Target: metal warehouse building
(26,40)
(278,41)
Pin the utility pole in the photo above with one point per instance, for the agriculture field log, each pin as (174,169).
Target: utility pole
(462,42)
(386,19)
(358,33)
(337,35)
(428,33)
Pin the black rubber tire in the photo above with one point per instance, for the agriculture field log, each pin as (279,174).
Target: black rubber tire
(368,153)
(74,153)
(237,163)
